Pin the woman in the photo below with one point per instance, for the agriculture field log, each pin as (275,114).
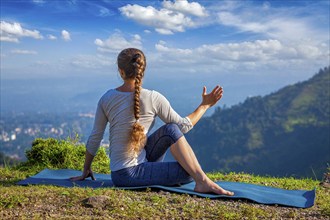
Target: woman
(135,159)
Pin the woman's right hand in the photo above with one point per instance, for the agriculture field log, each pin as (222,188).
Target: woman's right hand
(213,97)
(85,174)
(208,101)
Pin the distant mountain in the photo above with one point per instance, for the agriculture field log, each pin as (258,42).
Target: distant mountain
(283,134)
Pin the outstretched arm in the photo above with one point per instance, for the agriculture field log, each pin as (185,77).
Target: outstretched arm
(208,100)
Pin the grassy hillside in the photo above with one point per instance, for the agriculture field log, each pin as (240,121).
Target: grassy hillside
(51,202)
(282,134)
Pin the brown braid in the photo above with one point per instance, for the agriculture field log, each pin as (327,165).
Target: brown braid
(132,61)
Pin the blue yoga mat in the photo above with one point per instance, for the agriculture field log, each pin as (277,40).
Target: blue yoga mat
(256,193)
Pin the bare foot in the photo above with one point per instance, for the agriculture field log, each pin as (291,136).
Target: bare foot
(208,186)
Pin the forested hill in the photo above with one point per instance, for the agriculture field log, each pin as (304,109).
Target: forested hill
(286,133)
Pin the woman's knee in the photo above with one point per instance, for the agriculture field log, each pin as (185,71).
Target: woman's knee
(174,131)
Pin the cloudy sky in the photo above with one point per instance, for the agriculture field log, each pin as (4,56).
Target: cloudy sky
(237,42)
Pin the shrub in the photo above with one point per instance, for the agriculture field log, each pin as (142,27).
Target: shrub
(61,154)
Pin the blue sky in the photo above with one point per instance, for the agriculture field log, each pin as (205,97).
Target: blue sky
(264,43)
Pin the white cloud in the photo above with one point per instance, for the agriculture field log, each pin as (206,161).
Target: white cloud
(9,39)
(285,24)
(161,47)
(295,38)
(147,31)
(11,32)
(193,8)
(51,37)
(164,31)
(250,54)
(30,52)
(66,35)
(164,21)
(116,43)
(229,19)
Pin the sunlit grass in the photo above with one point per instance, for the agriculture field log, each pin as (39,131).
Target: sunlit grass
(41,202)
(59,202)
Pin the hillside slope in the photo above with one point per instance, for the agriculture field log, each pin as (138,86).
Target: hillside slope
(284,133)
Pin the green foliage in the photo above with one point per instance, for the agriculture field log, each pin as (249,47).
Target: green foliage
(61,154)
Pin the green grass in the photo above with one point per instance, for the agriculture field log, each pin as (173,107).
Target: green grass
(51,202)
(39,202)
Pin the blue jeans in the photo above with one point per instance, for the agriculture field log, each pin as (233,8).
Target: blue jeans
(155,172)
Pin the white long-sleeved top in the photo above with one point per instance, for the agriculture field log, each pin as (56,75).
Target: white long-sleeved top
(116,108)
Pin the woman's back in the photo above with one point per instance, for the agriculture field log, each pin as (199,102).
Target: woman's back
(118,108)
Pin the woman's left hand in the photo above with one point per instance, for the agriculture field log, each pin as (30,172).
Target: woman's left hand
(86,174)
(213,97)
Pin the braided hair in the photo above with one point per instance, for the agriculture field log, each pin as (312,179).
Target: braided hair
(133,62)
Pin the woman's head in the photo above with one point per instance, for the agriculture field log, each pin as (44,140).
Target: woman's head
(132,64)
